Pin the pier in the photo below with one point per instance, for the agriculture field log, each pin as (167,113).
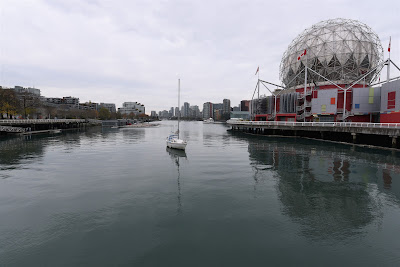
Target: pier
(39,125)
(376,134)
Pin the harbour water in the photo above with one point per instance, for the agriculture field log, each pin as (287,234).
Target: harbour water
(118,197)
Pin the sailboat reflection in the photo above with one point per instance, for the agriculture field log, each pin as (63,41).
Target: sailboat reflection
(176,155)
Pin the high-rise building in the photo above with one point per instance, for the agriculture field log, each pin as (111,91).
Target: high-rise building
(207,110)
(244,105)
(171,112)
(176,112)
(196,111)
(226,106)
(217,106)
(163,114)
(186,110)
(153,113)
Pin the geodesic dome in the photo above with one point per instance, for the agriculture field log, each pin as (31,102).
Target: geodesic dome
(341,50)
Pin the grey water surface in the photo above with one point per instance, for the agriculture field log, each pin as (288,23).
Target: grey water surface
(118,197)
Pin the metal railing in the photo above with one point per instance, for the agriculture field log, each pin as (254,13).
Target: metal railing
(39,121)
(301,94)
(320,124)
(10,129)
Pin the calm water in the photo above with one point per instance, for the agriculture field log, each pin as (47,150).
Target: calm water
(118,197)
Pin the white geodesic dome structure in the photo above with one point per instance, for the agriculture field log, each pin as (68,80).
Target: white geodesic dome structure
(342,50)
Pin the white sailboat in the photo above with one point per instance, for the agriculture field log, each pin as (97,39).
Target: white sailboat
(173,140)
(210,120)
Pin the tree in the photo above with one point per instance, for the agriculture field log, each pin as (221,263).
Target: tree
(118,115)
(29,103)
(104,114)
(8,102)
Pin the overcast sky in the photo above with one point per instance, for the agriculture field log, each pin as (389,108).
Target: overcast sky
(117,51)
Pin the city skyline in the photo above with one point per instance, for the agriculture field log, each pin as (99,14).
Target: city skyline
(120,51)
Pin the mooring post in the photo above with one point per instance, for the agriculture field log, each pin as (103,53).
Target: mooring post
(354,137)
(394,141)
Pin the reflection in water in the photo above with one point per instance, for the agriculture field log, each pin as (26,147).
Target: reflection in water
(133,135)
(330,190)
(176,155)
(18,150)
(13,151)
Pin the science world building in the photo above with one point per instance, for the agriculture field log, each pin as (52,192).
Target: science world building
(331,72)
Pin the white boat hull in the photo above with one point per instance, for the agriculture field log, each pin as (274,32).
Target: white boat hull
(181,146)
(176,143)
(210,120)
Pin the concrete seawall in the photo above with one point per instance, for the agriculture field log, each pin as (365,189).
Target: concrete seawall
(39,125)
(377,134)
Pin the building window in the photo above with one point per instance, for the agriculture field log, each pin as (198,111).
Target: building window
(333,101)
(371,96)
(356,105)
(323,108)
(391,100)
(315,94)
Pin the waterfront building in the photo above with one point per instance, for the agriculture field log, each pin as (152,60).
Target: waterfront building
(53,100)
(71,101)
(244,105)
(176,113)
(171,112)
(110,106)
(29,90)
(132,107)
(340,82)
(244,115)
(153,113)
(89,106)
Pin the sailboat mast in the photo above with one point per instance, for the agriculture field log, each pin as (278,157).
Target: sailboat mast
(179,103)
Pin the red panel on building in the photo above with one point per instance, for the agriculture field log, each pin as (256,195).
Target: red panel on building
(262,117)
(349,100)
(286,117)
(391,100)
(359,118)
(340,100)
(278,104)
(392,117)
